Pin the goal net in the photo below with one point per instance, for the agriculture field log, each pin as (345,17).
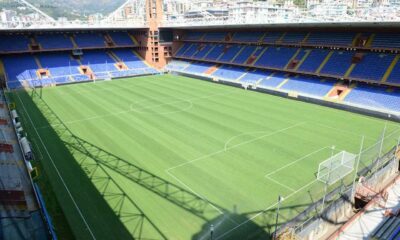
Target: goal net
(336,167)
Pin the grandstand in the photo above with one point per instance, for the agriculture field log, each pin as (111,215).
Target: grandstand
(198,132)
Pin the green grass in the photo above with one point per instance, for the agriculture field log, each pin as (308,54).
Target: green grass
(164,157)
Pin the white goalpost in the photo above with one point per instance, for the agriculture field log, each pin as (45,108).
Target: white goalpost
(336,167)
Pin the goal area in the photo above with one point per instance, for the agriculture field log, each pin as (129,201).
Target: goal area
(336,167)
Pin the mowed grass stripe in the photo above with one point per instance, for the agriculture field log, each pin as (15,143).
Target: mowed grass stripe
(155,140)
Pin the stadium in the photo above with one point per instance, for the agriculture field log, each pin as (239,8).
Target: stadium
(198,120)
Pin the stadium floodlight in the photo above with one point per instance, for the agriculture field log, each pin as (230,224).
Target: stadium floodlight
(336,167)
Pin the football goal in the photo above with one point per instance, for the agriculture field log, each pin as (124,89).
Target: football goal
(336,167)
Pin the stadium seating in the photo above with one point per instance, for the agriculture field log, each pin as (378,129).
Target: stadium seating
(273,81)
(14,43)
(182,49)
(330,38)
(54,41)
(310,86)
(247,37)
(99,61)
(192,49)
(229,72)
(272,37)
(255,76)
(394,76)
(202,51)
(214,36)
(131,60)
(20,67)
(313,61)
(244,54)
(121,38)
(386,40)
(192,36)
(216,52)
(198,67)
(294,37)
(338,64)
(64,69)
(59,64)
(85,40)
(374,97)
(177,65)
(229,53)
(372,66)
(301,54)
(276,57)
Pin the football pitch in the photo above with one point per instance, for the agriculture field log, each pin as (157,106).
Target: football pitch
(166,157)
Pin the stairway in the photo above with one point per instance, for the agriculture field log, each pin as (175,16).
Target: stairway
(390,68)
(133,39)
(324,62)
(73,42)
(303,59)
(238,53)
(211,70)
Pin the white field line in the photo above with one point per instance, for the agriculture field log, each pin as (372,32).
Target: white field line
(217,152)
(133,110)
(57,171)
(281,184)
(291,163)
(234,146)
(200,196)
(90,88)
(241,134)
(266,209)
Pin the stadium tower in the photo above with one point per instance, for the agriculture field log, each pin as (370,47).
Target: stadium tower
(150,48)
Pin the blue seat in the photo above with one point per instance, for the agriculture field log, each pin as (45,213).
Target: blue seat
(255,76)
(273,81)
(394,76)
(59,64)
(372,66)
(84,40)
(244,54)
(247,36)
(230,53)
(386,40)
(198,67)
(54,41)
(20,67)
(294,37)
(276,57)
(313,60)
(272,37)
(311,86)
(98,61)
(374,97)
(193,35)
(331,38)
(131,60)
(338,64)
(216,52)
(14,43)
(182,49)
(121,38)
(229,72)
(202,51)
(215,36)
